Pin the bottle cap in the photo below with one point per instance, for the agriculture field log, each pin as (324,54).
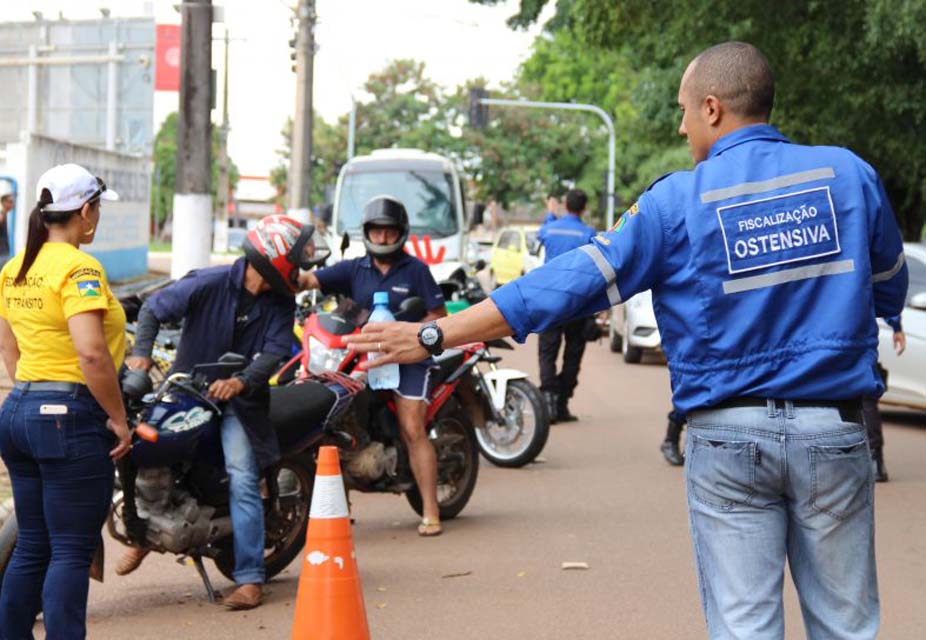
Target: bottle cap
(381,297)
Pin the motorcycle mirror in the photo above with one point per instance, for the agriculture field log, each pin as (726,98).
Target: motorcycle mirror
(480,265)
(230,358)
(345,242)
(411,310)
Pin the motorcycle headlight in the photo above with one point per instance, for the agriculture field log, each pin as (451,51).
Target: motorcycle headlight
(322,358)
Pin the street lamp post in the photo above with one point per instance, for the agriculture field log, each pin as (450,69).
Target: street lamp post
(573,106)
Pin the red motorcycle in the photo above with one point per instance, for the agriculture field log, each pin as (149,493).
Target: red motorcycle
(374,458)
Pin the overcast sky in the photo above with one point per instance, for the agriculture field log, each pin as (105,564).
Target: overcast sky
(455,38)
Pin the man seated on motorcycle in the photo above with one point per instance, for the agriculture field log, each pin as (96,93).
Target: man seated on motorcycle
(245,308)
(387,267)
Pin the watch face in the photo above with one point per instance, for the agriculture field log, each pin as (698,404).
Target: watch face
(429,336)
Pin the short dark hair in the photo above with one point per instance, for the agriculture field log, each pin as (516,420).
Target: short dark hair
(576,201)
(738,74)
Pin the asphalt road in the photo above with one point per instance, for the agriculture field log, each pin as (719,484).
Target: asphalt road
(602,495)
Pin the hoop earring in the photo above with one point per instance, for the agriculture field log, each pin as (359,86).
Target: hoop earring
(89,232)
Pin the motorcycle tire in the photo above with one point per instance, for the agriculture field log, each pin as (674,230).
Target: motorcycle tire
(455,438)
(288,528)
(527,446)
(7,542)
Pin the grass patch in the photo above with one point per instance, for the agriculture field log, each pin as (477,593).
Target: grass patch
(158,245)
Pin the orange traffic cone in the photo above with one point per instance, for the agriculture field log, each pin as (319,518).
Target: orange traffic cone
(329,605)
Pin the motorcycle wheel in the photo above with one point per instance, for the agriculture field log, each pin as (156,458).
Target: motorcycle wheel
(7,541)
(524,433)
(284,528)
(457,465)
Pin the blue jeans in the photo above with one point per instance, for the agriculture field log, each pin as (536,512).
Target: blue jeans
(766,484)
(247,508)
(56,448)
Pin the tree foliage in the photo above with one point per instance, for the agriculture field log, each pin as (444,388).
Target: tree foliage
(848,72)
(165,169)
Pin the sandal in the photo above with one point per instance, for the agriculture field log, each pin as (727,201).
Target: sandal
(429,528)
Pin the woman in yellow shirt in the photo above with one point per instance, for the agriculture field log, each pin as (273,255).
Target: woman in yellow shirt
(62,339)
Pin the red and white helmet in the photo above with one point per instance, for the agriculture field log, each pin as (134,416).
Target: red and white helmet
(278,246)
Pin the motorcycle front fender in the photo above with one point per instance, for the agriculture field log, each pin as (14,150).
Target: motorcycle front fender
(497,384)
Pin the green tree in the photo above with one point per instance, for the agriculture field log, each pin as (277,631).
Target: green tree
(849,72)
(165,170)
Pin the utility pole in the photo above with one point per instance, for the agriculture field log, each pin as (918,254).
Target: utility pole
(192,197)
(220,232)
(300,162)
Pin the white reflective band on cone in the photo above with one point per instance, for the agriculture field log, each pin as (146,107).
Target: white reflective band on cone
(328,499)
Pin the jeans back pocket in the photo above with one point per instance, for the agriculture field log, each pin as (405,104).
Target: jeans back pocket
(48,434)
(840,478)
(722,473)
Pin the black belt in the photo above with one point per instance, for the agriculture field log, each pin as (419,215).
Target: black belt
(60,387)
(849,410)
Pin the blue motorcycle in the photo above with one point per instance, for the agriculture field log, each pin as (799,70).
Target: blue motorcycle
(172,492)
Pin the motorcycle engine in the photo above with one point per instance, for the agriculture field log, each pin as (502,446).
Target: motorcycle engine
(175,521)
(372,462)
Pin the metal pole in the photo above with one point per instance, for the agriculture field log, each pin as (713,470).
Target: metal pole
(300,166)
(351,127)
(112,88)
(32,108)
(572,106)
(192,214)
(220,232)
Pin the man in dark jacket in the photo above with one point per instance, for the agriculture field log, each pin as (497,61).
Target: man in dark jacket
(245,308)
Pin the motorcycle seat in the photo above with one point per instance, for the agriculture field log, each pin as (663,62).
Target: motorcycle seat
(298,410)
(445,364)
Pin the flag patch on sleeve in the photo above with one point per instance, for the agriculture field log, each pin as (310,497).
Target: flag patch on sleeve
(89,288)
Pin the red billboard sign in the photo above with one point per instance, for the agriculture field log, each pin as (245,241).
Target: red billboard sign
(167,66)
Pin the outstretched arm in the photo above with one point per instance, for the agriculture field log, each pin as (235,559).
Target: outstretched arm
(399,340)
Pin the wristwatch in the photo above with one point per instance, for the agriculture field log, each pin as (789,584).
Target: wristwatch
(431,338)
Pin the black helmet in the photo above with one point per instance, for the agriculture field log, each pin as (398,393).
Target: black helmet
(385,211)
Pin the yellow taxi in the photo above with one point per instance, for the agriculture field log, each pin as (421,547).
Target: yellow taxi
(511,254)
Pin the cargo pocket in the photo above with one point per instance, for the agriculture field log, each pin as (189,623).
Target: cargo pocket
(722,473)
(48,435)
(840,479)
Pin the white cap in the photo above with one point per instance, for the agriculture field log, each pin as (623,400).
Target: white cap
(71,186)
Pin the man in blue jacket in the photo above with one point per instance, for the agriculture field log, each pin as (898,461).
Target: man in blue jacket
(245,308)
(557,237)
(768,264)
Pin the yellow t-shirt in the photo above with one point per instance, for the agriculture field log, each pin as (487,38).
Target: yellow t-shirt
(62,282)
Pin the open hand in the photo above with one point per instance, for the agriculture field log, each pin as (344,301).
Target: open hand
(121,429)
(900,342)
(397,341)
(226,389)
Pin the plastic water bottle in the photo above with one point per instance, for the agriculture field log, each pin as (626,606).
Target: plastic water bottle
(387,376)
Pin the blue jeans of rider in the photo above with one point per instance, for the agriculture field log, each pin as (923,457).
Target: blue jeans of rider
(247,509)
(56,448)
(776,483)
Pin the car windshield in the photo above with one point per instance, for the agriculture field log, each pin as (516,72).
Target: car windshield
(427,196)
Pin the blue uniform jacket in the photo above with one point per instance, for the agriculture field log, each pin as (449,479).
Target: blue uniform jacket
(768,264)
(206,301)
(564,234)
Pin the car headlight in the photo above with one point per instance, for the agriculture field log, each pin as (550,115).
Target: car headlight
(322,358)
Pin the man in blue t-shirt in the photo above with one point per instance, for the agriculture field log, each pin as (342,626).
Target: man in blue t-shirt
(558,236)
(387,267)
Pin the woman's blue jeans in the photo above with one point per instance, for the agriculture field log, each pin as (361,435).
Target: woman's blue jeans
(56,448)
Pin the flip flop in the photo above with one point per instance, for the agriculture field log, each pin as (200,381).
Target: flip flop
(429,528)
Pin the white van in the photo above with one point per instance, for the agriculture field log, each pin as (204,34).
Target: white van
(426,183)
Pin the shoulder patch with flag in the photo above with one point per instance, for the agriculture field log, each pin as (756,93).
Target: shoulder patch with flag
(89,288)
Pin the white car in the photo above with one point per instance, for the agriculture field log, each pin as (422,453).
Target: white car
(632,328)
(906,379)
